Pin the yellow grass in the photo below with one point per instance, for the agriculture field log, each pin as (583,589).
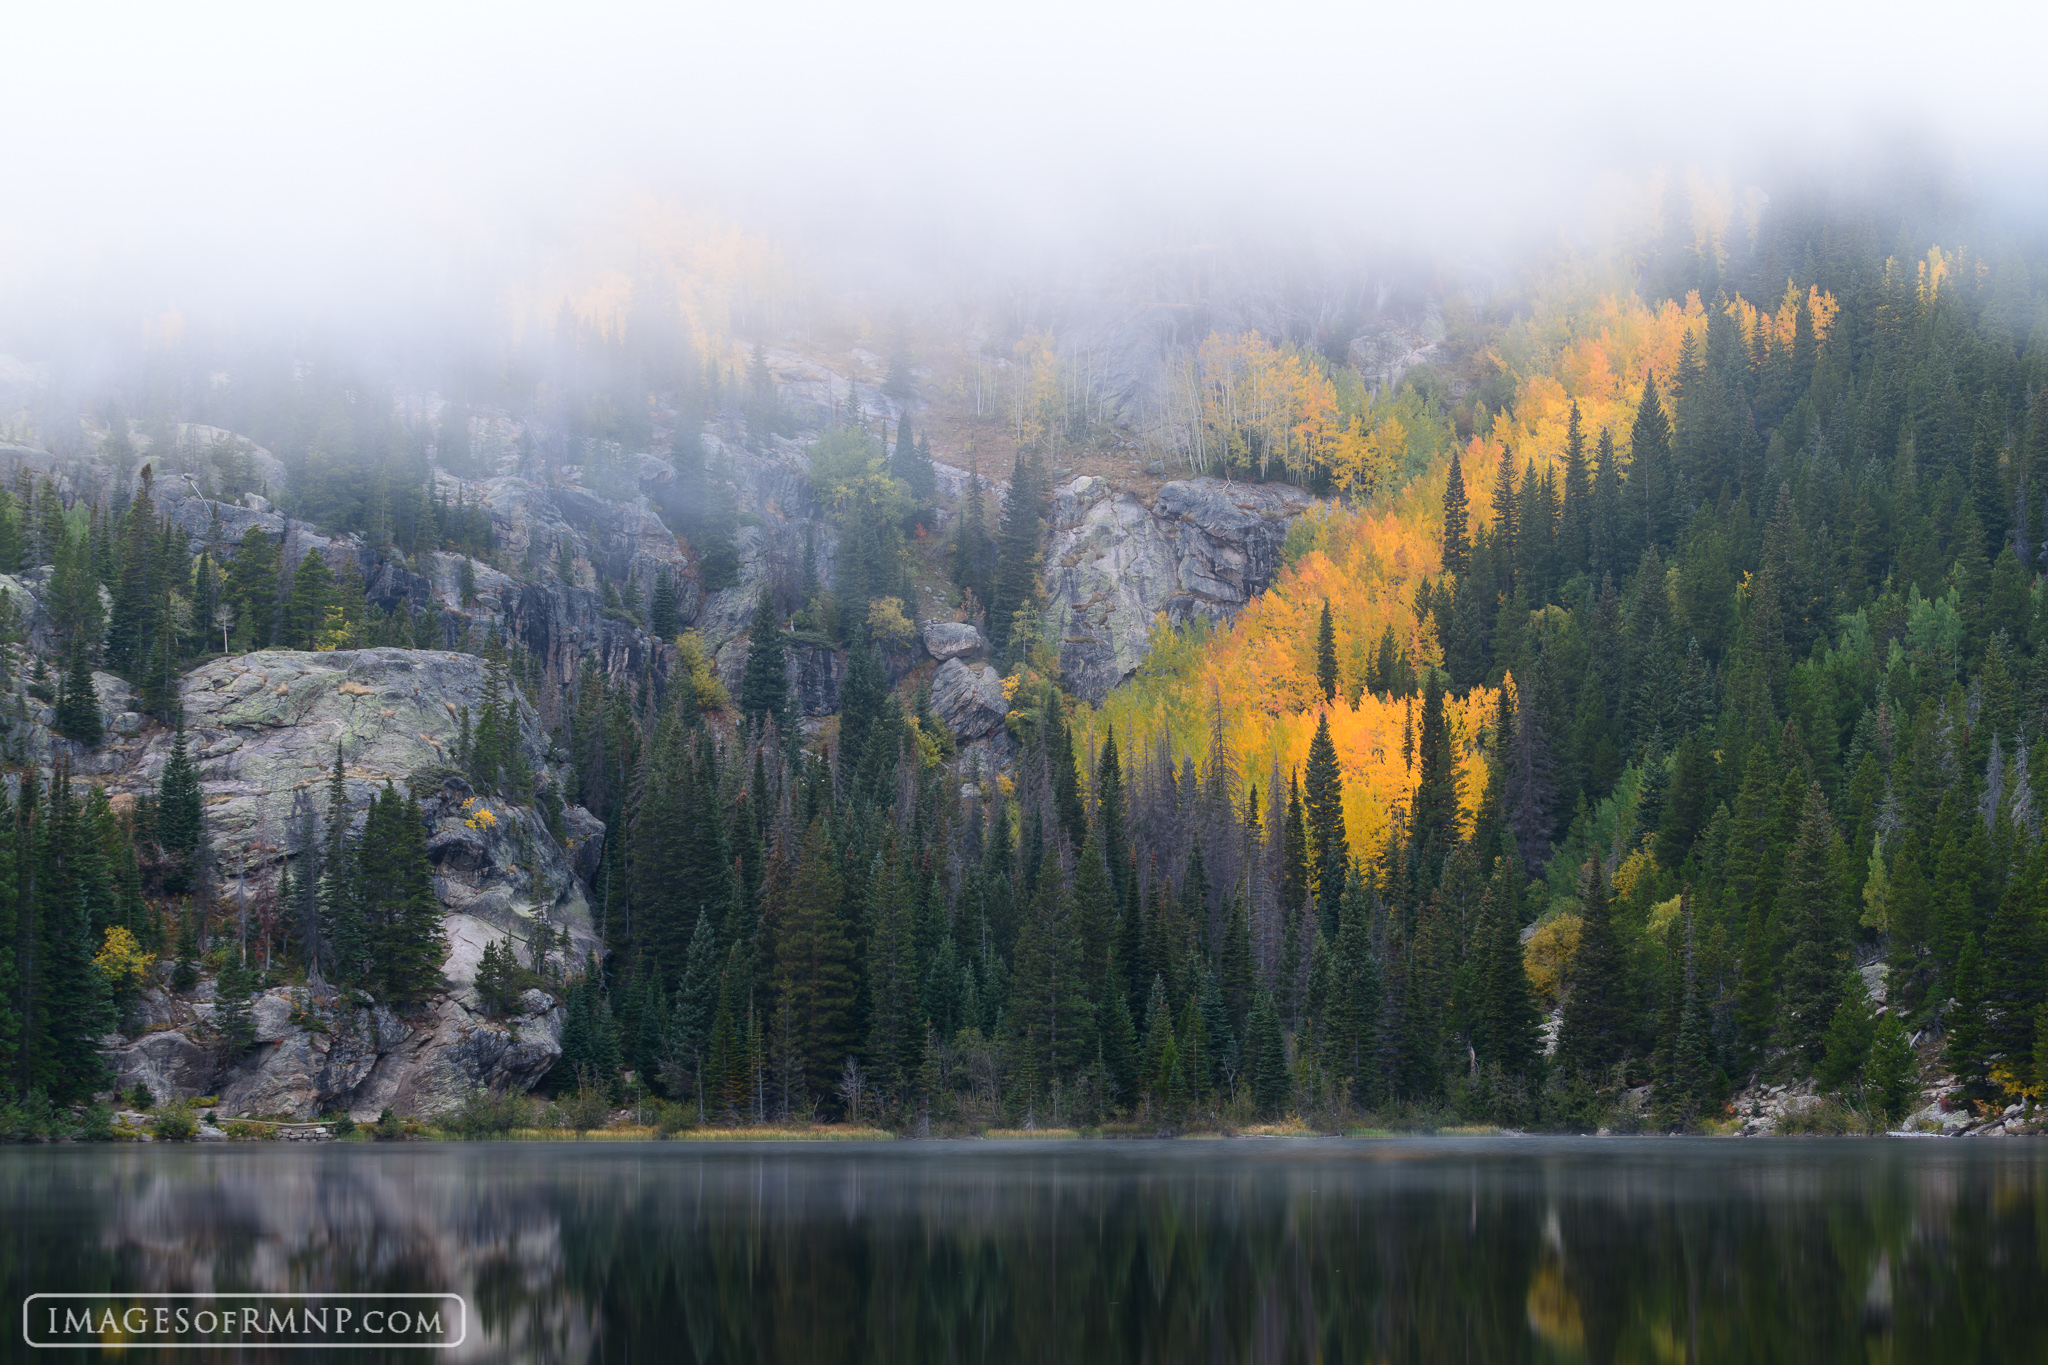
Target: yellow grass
(1289,1127)
(1008,1134)
(824,1132)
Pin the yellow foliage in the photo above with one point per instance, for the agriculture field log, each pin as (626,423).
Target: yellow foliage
(886,619)
(122,961)
(479,817)
(1260,404)
(1633,869)
(2018,1083)
(696,666)
(1547,957)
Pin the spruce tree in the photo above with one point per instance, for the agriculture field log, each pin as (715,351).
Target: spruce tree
(1015,587)
(180,814)
(1326,654)
(1433,817)
(764,685)
(78,705)
(1457,547)
(1329,851)
(306,608)
(1650,475)
(1813,919)
(1594,1032)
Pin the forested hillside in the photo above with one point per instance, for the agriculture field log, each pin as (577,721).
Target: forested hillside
(1650,700)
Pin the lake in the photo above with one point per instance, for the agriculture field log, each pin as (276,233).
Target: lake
(1249,1250)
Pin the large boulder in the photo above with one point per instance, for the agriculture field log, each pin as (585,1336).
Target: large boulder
(1200,547)
(945,640)
(969,699)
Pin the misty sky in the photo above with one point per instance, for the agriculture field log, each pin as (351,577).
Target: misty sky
(301,155)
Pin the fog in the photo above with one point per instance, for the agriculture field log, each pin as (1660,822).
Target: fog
(385,170)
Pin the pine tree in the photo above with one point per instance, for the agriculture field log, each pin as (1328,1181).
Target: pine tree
(1329,852)
(1891,1071)
(1434,817)
(973,552)
(1506,522)
(251,588)
(815,974)
(1650,475)
(1594,1032)
(1326,655)
(1015,587)
(1575,515)
(663,621)
(180,814)
(764,685)
(78,705)
(1457,547)
(305,610)
(1814,922)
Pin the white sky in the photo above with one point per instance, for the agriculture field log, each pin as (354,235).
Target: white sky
(309,152)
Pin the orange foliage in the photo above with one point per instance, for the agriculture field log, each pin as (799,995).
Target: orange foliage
(1367,563)
(1368,560)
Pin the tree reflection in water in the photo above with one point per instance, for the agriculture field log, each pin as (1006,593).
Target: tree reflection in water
(1426,1250)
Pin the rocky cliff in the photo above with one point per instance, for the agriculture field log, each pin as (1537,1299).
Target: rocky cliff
(1116,561)
(265,729)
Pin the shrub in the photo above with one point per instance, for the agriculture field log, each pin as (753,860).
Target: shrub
(671,1118)
(141,1099)
(96,1123)
(174,1123)
(389,1127)
(32,1118)
(486,1114)
(588,1108)
(344,1127)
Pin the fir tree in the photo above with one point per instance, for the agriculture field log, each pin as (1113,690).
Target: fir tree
(306,608)
(1594,1032)
(180,814)
(1329,852)
(1326,655)
(78,705)
(1015,586)
(1810,912)
(1433,818)
(1457,549)
(764,686)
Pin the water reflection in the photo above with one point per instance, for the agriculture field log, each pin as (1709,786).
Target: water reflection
(1479,1250)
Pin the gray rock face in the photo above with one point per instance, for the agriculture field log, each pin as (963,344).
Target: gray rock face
(969,698)
(945,640)
(814,672)
(316,1055)
(1203,547)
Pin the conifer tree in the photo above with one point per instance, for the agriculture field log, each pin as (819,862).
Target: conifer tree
(1650,475)
(180,812)
(663,621)
(973,552)
(814,962)
(1326,655)
(1015,587)
(306,608)
(1433,818)
(1575,514)
(1810,912)
(1506,522)
(1266,1058)
(1593,1035)
(1457,546)
(78,705)
(764,685)
(1329,852)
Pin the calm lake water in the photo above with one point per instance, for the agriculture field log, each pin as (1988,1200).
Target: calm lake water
(1466,1250)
